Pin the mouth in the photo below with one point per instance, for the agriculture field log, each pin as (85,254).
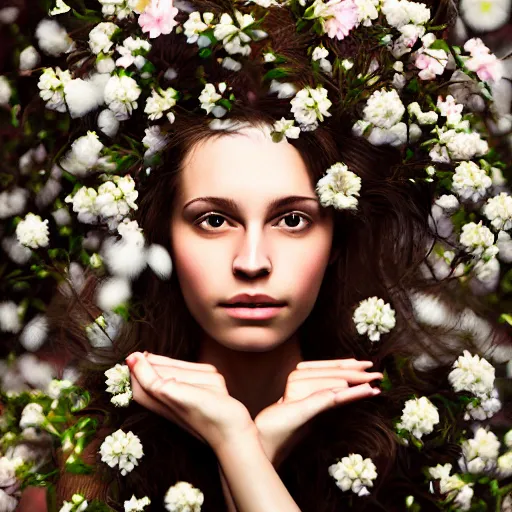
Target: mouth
(248,311)
(252,305)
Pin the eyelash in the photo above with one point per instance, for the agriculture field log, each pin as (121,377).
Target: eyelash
(216,214)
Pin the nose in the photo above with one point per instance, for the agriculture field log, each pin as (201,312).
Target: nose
(252,257)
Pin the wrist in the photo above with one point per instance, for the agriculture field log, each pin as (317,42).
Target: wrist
(236,438)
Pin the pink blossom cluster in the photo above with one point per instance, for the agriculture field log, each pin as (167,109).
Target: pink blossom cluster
(344,16)
(484,63)
(158,18)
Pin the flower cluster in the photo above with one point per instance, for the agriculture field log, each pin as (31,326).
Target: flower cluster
(183,497)
(374,317)
(122,449)
(354,473)
(419,417)
(118,384)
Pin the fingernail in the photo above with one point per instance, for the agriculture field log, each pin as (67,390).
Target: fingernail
(131,359)
(375,391)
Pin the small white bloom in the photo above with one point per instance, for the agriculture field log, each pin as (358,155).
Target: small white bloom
(283,89)
(231,64)
(51,85)
(78,503)
(196,24)
(287,128)
(5,91)
(29,58)
(419,417)
(354,473)
(374,317)
(108,123)
(508,439)
(472,373)
(160,102)
(485,16)
(9,317)
(424,118)
(136,505)
(121,94)
(487,407)
(12,202)
(183,497)
(113,292)
(480,453)
(34,333)
(269,57)
(100,37)
(9,15)
(476,238)
(104,329)
(123,450)
(450,109)
(82,97)
(53,38)
(233,37)
(448,202)
(498,210)
(470,182)
(118,384)
(504,465)
(56,387)
(310,106)
(384,109)
(33,231)
(154,140)
(121,9)
(460,145)
(159,261)
(339,188)
(60,8)
(401,12)
(209,98)
(32,416)
(83,155)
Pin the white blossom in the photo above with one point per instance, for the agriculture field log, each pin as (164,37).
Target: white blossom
(108,123)
(136,505)
(310,106)
(354,473)
(460,145)
(123,450)
(100,37)
(7,502)
(52,38)
(419,417)
(121,9)
(12,202)
(498,210)
(450,109)
(470,182)
(480,453)
(9,317)
(29,58)
(154,140)
(78,503)
(183,497)
(60,8)
(484,16)
(233,37)
(113,292)
(283,89)
(83,156)
(339,188)
(401,12)
(56,387)
(34,333)
(384,109)
(82,97)
(196,24)
(422,117)
(104,329)
(374,317)
(486,408)
(33,231)
(51,85)
(476,238)
(133,51)
(287,128)
(453,486)
(472,373)
(160,102)
(209,98)
(159,261)
(508,439)
(5,91)
(118,384)
(32,416)
(121,94)
(504,465)
(448,202)
(484,63)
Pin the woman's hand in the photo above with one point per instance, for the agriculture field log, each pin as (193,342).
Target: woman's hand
(313,387)
(192,395)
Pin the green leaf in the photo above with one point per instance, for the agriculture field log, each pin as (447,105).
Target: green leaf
(505,318)
(204,53)
(276,73)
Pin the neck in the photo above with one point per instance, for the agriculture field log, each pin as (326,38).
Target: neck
(257,379)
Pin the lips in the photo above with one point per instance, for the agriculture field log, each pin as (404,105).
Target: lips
(245,300)
(250,305)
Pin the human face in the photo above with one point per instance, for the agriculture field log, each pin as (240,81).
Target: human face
(220,252)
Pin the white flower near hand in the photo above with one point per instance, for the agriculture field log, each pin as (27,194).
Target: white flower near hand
(374,317)
(419,417)
(498,210)
(123,450)
(118,384)
(32,416)
(121,94)
(287,128)
(480,453)
(33,231)
(339,188)
(472,373)
(136,505)
(52,38)
(183,497)
(310,106)
(100,37)
(160,102)
(83,155)
(51,84)
(477,239)
(470,182)
(354,473)
(384,109)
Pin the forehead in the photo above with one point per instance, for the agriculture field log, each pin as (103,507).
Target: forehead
(246,164)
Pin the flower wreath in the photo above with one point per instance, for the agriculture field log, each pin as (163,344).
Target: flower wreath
(410,94)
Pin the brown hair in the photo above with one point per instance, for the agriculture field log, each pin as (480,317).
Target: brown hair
(381,249)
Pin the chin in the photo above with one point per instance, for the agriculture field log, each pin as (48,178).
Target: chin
(250,339)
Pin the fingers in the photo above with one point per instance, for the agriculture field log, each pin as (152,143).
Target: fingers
(200,377)
(155,359)
(351,376)
(355,393)
(336,363)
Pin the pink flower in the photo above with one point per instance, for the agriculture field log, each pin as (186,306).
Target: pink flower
(344,18)
(486,65)
(158,18)
(431,63)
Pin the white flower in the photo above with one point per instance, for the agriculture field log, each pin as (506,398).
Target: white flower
(12,202)
(476,238)
(487,407)
(310,106)
(484,16)
(83,155)
(33,231)
(159,102)
(104,329)
(29,58)
(8,503)
(384,109)
(401,12)
(196,24)
(419,417)
(339,188)
(354,473)
(159,261)
(60,8)
(133,51)
(56,387)
(34,334)
(422,117)
(113,292)
(231,64)
(508,439)
(498,210)
(82,97)
(283,89)
(470,181)
(5,91)
(450,109)
(453,485)
(463,146)
(52,84)
(154,140)
(53,38)
(504,465)
(121,94)
(32,416)
(9,15)
(100,37)
(9,317)
(464,497)
(118,384)
(78,503)
(374,317)
(108,123)
(119,8)
(320,55)
(123,450)
(136,505)
(367,10)
(472,373)
(480,453)
(448,202)
(233,37)
(431,61)
(287,128)
(183,497)
(209,97)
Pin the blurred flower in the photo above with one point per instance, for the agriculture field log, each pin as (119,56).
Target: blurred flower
(485,15)
(29,58)
(183,497)
(53,38)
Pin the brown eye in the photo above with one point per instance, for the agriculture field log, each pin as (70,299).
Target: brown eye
(213,220)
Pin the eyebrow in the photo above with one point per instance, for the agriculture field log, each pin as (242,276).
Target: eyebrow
(229,204)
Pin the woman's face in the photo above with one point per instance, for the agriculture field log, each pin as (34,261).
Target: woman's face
(249,246)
